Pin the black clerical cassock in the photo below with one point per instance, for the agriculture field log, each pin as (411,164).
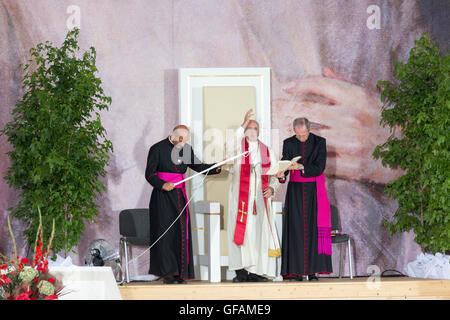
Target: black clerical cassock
(172,254)
(306,249)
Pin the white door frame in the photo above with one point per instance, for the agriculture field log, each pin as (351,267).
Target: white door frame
(190,86)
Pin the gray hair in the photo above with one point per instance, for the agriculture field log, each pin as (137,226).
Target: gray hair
(300,122)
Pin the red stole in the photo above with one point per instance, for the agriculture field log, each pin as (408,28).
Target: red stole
(244,188)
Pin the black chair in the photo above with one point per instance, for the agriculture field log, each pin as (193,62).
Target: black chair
(134,227)
(341,239)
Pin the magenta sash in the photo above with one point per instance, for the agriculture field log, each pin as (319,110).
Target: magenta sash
(175,177)
(323,210)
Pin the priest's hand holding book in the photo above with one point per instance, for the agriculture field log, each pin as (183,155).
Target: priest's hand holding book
(295,166)
(285,165)
(281,174)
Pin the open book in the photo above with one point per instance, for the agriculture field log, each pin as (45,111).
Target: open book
(282,165)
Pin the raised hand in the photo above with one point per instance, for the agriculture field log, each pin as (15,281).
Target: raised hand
(248,115)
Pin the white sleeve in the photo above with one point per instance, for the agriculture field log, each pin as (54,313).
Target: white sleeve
(240,132)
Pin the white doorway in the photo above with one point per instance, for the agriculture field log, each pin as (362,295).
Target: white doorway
(248,86)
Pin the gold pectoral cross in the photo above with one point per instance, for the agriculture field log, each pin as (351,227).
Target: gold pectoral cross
(242,212)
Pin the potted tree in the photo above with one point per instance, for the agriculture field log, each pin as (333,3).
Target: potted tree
(60,149)
(416,107)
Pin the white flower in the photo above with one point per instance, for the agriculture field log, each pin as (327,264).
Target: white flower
(46,287)
(28,274)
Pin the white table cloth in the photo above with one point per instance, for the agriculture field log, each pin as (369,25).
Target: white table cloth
(86,283)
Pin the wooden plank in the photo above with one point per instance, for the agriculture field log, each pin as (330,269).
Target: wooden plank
(358,288)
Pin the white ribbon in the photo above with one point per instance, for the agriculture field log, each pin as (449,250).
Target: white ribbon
(213,167)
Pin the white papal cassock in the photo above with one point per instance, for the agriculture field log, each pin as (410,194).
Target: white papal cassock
(260,233)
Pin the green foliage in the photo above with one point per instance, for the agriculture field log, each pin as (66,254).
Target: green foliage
(418,103)
(60,148)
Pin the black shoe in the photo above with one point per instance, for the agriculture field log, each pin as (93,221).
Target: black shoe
(296,278)
(237,279)
(312,277)
(170,280)
(252,277)
(241,276)
(180,280)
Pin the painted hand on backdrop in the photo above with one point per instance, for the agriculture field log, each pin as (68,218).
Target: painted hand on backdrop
(344,113)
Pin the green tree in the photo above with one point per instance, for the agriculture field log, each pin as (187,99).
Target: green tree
(60,148)
(417,104)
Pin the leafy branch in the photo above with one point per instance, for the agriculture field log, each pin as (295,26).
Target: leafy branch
(417,102)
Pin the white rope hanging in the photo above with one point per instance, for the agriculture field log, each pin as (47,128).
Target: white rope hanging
(187,203)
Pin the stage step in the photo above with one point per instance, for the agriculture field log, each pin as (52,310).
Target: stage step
(325,288)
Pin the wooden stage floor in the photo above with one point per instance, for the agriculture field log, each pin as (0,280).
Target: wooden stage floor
(326,288)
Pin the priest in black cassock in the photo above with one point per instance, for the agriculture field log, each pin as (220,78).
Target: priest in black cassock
(306,240)
(167,161)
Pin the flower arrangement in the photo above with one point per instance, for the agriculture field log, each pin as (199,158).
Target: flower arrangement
(24,280)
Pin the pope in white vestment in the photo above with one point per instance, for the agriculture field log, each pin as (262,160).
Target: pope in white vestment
(255,258)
